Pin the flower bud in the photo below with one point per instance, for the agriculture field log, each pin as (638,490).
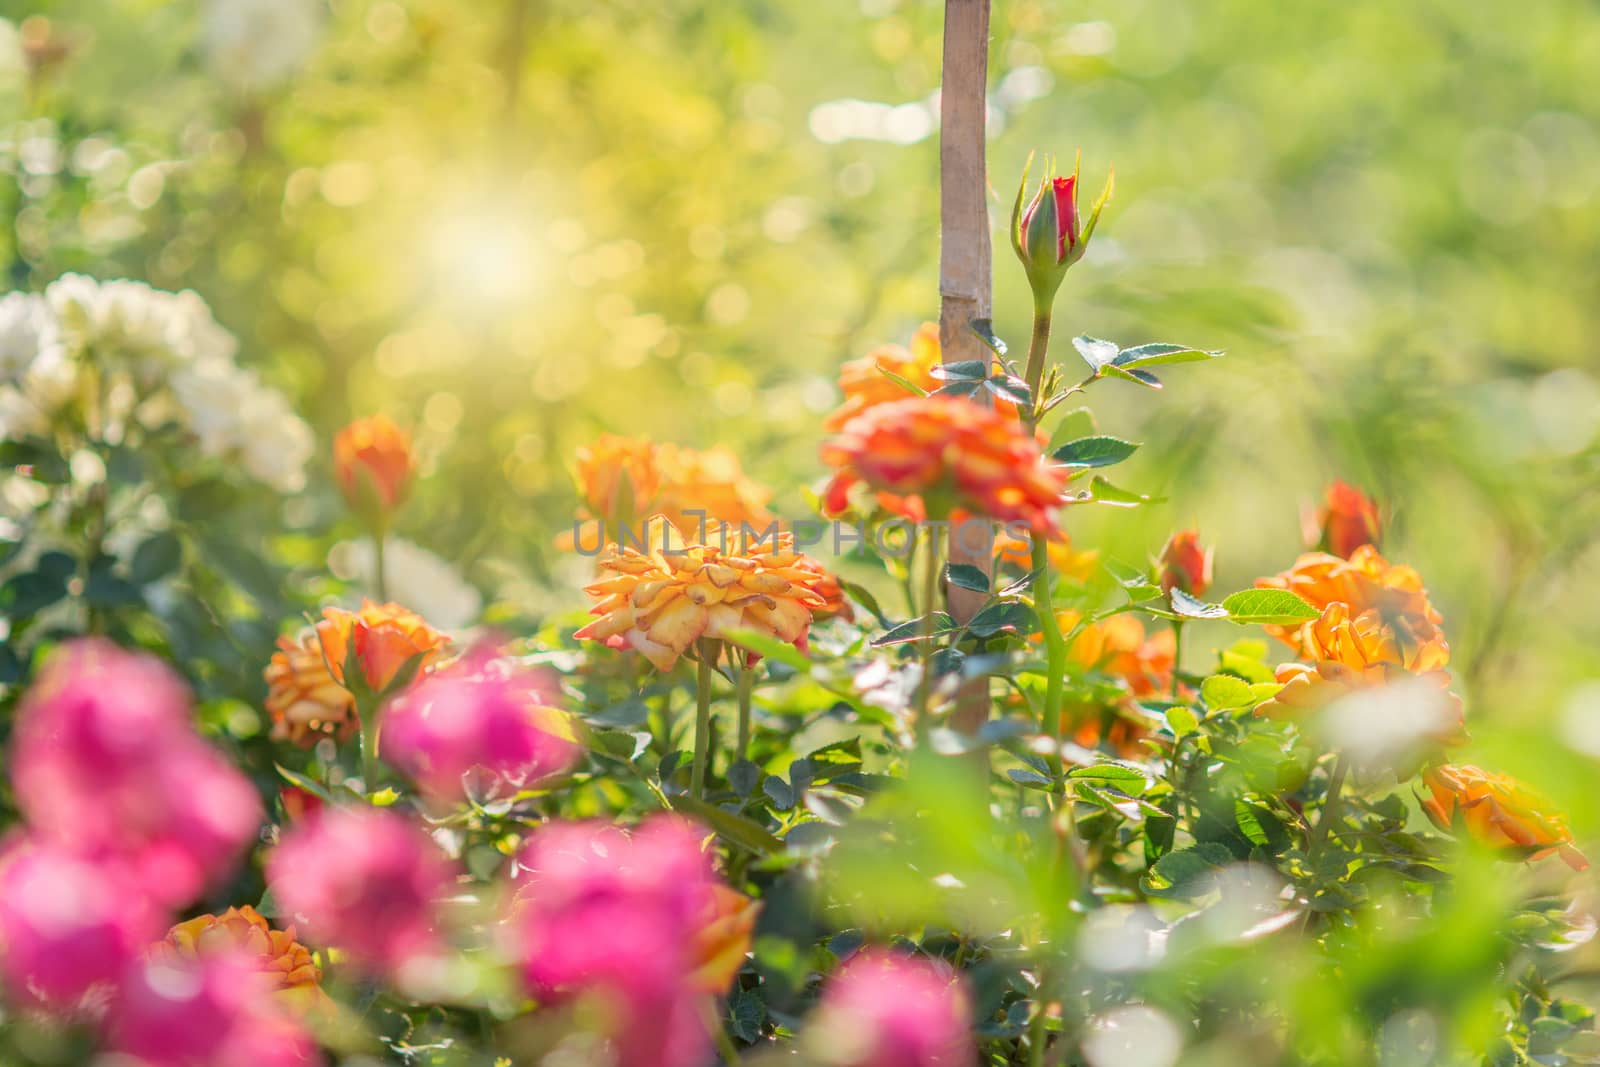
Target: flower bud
(1185,564)
(1347,520)
(1048,233)
(372,462)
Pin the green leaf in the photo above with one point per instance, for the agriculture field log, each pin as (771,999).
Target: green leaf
(1186,872)
(778,791)
(618,744)
(1223,692)
(1181,720)
(984,328)
(300,781)
(1103,492)
(1099,451)
(1157,354)
(905,383)
(1030,779)
(1095,352)
(770,647)
(966,576)
(1190,608)
(1013,616)
(1275,607)
(734,828)
(968,370)
(911,630)
(743,775)
(1117,775)
(157,557)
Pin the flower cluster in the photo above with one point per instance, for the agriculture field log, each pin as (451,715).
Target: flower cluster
(120,359)
(925,457)
(661,600)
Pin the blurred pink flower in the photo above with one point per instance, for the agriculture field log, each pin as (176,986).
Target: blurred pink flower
(888,1009)
(105,758)
(67,925)
(218,1010)
(366,880)
(613,916)
(483,711)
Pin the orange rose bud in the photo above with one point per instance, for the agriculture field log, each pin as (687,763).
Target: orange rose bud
(1499,811)
(372,463)
(1185,565)
(286,962)
(384,638)
(1347,520)
(723,939)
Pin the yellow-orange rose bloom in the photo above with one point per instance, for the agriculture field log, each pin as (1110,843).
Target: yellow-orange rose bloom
(661,600)
(865,385)
(305,701)
(384,637)
(1118,648)
(289,964)
(1352,653)
(708,487)
(723,940)
(1498,810)
(372,463)
(926,456)
(1366,582)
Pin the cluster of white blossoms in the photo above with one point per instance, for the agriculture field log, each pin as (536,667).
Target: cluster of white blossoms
(112,357)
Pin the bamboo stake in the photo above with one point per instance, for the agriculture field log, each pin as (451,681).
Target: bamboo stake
(964,260)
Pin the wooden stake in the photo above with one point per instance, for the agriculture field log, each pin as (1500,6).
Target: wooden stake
(965,285)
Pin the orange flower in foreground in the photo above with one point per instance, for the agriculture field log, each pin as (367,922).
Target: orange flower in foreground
(287,962)
(927,455)
(1347,520)
(304,699)
(1498,810)
(1365,582)
(384,637)
(661,600)
(1066,560)
(372,463)
(1185,564)
(723,940)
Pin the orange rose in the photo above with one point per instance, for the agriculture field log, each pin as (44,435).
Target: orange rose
(660,601)
(707,488)
(616,470)
(384,637)
(866,385)
(288,964)
(834,603)
(723,940)
(1347,520)
(926,456)
(1066,560)
(304,699)
(1497,810)
(372,463)
(1185,565)
(1366,582)
(1120,649)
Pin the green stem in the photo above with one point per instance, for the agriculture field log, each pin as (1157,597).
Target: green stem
(380,578)
(719,1034)
(702,725)
(1177,655)
(746,683)
(930,594)
(1055,648)
(1332,802)
(369,748)
(1038,345)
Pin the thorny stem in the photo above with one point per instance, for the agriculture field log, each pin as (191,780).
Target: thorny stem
(702,725)
(1177,655)
(369,747)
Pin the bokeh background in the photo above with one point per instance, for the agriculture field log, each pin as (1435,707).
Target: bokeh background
(514,224)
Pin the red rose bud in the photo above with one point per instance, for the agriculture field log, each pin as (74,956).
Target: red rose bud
(1347,520)
(1046,232)
(1185,565)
